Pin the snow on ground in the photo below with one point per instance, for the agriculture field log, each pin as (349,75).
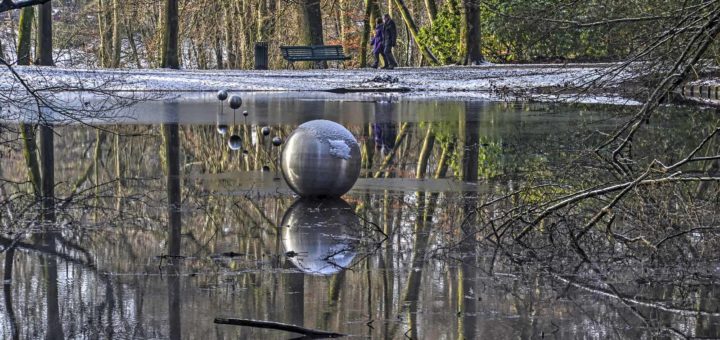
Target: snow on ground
(476,81)
(426,79)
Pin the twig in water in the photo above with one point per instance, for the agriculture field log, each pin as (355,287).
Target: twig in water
(279,326)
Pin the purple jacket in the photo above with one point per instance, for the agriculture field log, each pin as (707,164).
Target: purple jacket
(377,40)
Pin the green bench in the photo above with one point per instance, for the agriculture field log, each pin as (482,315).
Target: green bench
(317,53)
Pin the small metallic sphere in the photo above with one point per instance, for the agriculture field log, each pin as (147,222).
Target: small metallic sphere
(321,158)
(265,131)
(245,152)
(265,168)
(235,102)
(235,142)
(245,113)
(320,236)
(222,129)
(222,95)
(277,141)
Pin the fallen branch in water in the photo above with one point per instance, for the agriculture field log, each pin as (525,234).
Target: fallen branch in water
(278,326)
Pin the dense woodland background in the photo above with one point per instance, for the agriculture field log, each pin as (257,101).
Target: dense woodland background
(222,34)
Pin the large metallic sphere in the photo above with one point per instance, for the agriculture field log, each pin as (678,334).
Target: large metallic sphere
(320,235)
(222,95)
(235,102)
(265,131)
(321,158)
(235,142)
(222,129)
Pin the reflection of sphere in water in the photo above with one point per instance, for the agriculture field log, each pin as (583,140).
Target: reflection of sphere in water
(222,95)
(222,129)
(317,233)
(321,159)
(235,102)
(235,142)
(277,141)
(266,131)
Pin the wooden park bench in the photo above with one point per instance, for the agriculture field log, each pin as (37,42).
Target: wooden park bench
(316,54)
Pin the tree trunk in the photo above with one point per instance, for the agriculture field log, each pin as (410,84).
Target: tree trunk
(311,22)
(245,33)
(133,46)
(431,8)
(45,38)
(471,146)
(218,52)
(311,15)
(263,21)
(471,35)
(365,40)
(47,162)
(27,15)
(115,60)
(346,25)
(229,36)
(169,58)
(425,152)
(47,153)
(171,134)
(104,26)
(31,159)
(407,17)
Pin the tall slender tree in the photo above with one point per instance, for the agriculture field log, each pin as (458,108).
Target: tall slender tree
(169,57)
(471,34)
(27,15)
(412,27)
(312,25)
(116,39)
(431,8)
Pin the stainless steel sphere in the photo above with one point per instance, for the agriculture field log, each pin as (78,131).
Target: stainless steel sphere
(235,142)
(222,129)
(245,113)
(222,95)
(277,141)
(265,131)
(235,102)
(321,158)
(320,235)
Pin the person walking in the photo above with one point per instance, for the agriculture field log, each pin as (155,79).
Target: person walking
(389,34)
(377,44)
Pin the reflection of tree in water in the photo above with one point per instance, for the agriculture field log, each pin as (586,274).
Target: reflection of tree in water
(451,265)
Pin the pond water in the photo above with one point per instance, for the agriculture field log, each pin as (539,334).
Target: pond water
(161,228)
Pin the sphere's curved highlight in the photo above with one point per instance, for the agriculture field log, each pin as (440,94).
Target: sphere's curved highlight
(222,129)
(318,235)
(321,158)
(235,142)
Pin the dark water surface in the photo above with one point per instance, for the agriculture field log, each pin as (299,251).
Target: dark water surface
(162,228)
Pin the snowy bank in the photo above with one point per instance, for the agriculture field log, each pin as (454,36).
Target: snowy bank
(480,82)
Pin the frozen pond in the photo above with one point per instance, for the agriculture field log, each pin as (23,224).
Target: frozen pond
(142,253)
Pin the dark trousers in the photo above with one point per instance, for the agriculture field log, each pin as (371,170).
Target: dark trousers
(377,59)
(388,55)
